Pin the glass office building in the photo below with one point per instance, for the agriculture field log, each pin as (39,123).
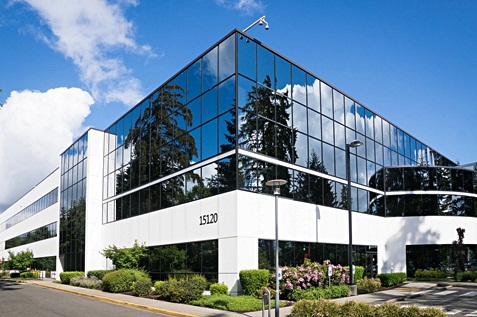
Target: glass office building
(185,172)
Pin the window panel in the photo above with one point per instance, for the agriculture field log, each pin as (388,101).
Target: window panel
(283,76)
(349,113)
(370,149)
(329,158)
(400,139)
(362,168)
(227,133)
(245,88)
(227,58)
(194,80)
(326,100)
(299,118)
(314,126)
(227,95)
(379,154)
(313,94)
(210,69)
(209,105)
(265,65)
(371,171)
(247,64)
(386,134)
(301,146)
(299,85)
(378,130)
(360,119)
(340,138)
(394,137)
(370,124)
(327,131)
(194,108)
(340,163)
(315,149)
(338,107)
(180,87)
(210,148)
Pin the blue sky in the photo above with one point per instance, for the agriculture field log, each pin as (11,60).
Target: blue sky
(70,65)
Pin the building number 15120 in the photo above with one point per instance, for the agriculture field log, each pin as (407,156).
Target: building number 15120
(208,219)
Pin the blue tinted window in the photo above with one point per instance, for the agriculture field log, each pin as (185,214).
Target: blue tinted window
(247,60)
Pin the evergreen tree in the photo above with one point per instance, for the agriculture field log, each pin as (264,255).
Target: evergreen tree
(160,145)
(225,178)
(265,131)
(314,189)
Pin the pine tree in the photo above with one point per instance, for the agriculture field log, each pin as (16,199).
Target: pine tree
(265,131)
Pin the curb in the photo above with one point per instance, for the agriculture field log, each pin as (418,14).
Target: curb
(115,301)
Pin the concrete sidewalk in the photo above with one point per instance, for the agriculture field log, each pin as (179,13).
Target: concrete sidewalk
(182,310)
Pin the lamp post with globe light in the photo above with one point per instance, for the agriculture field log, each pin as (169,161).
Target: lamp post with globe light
(352,144)
(275,184)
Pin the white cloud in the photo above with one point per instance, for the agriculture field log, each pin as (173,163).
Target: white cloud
(93,34)
(248,7)
(36,128)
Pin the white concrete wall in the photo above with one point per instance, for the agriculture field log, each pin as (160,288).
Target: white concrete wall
(244,218)
(94,200)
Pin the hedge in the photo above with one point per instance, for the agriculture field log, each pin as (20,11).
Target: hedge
(305,308)
(253,280)
(66,277)
(390,279)
(99,274)
(183,290)
(335,291)
(122,280)
(219,288)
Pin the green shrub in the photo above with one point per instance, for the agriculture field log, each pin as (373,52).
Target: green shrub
(335,291)
(183,290)
(157,284)
(219,288)
(467,276)
(358,273)
(232,303)
(86,282)
(121,280)
(26,275)
(65,277)
(99,274)
(253,280)
(142,286)
(431,273)
(369,285)
(390,279)
(305,308)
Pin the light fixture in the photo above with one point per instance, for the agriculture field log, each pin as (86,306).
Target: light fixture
(260,22)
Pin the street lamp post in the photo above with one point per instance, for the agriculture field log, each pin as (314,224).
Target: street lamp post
(350,145)
(275,184)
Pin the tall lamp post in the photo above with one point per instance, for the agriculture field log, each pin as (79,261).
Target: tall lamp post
(275,184)
(350,145)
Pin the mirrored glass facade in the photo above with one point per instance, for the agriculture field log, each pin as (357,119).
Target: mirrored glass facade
(73,205)
(240,115)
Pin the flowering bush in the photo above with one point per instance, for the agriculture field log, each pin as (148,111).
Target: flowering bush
(312,275)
